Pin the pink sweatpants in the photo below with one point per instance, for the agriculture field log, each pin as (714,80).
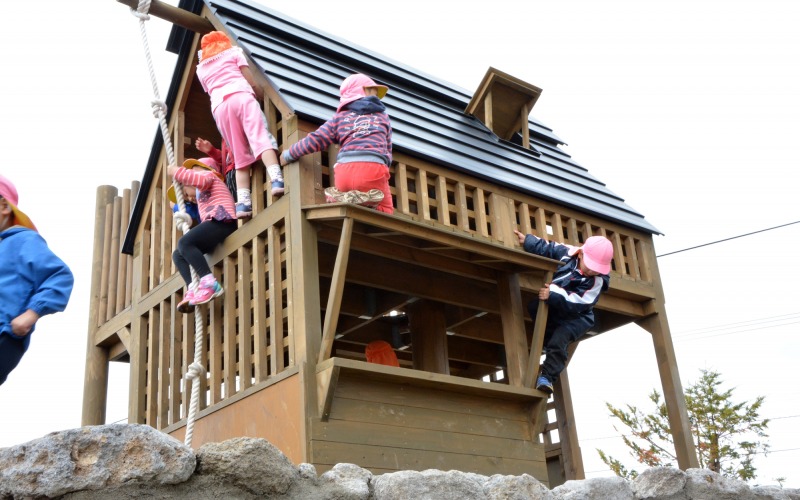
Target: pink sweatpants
(363,176)
(243,125)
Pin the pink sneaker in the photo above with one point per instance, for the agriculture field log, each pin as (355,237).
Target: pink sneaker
(206,292)
(185,305)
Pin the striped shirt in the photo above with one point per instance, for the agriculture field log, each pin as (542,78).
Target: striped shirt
(213,197)
(363,130)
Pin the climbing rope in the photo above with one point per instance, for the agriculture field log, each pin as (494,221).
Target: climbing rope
(182,222)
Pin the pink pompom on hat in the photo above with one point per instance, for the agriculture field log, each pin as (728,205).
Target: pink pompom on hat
(9,192)
(353,88)
(597,254)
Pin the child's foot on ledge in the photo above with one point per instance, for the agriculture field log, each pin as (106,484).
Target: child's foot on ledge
(277,188)
(244,210)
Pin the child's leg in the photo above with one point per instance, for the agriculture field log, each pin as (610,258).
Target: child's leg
(244,203)
(270,159)
(182,264)
(11,351)
(201,240)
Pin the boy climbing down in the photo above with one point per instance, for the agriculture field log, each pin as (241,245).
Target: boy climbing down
(225,76)
(571,296)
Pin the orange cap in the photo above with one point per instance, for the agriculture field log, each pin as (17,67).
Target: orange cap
(381,352)
(213,43)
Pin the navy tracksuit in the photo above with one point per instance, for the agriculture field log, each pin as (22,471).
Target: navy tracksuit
(570,305)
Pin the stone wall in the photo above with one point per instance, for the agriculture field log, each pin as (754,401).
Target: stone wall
(124,461)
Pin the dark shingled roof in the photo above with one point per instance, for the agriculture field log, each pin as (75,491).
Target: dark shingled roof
(306,66)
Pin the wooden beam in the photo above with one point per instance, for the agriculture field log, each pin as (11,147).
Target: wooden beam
(175,15)
(335,295)
(429,337)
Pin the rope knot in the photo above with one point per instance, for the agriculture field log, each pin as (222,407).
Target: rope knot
(194,371)
(159,108)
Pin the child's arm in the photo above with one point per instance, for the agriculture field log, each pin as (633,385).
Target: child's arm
(52,281)
(206,147)
(314,142)
(201,180)
(248,75)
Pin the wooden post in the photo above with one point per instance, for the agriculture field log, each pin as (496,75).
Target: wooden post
(567,428)
(658,327)
(303,275)
(512,318)
(429,336)
(95,381)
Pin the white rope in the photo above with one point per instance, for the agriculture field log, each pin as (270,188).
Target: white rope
(182,222)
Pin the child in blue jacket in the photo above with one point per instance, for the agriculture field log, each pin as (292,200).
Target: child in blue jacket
(571,296)
(34,282)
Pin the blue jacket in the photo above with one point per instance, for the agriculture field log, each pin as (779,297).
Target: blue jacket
(571,293)
(31,277)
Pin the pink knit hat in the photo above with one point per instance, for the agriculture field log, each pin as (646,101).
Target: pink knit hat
(597,254)
(352,89)
(9,192)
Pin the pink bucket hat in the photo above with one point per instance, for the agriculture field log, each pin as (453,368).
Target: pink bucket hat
(597,254)
(352,89)
(9,193)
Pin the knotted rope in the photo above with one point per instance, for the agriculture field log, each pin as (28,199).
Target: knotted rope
(182,222)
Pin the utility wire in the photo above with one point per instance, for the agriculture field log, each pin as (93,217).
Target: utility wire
(728,239)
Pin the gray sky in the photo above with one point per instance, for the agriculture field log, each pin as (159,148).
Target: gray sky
(688,110)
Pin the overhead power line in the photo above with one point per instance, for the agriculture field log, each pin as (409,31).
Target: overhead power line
(728,239)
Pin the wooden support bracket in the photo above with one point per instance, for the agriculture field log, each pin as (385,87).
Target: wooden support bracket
(337,287)
(537,341)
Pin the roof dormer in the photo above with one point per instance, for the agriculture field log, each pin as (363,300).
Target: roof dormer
(503,104)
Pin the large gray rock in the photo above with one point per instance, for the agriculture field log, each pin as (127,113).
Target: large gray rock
(347,482)
(771,493)
(524,487)
(705,484)
(250,464)
(660,483)
(91,458)
(427,485)
(598,488)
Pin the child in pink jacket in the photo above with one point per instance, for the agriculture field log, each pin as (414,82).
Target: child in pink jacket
(225,76)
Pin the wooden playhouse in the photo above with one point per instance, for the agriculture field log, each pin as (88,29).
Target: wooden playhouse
(309,284)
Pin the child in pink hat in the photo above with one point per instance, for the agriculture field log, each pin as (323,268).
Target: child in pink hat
(34,282)
(571,296)
(226,77)
(363,129)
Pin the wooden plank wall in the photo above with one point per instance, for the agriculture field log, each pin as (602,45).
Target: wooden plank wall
(386,427)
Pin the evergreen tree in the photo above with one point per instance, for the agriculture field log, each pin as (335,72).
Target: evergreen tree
(726,435)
